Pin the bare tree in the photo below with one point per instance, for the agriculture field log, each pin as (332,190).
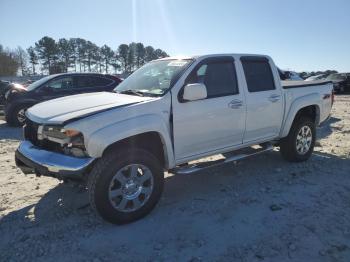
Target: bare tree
(22,59)
(8,62)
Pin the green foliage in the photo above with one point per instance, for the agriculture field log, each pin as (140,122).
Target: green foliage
(134,55)
(47,50)
(33,58)
(107,56)
(77,54)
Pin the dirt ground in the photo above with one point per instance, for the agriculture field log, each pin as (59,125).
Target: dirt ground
(259,209)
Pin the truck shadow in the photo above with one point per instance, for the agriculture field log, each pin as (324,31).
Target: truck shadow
(220,196)
(325,129)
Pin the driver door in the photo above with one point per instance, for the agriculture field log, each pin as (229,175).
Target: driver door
(216,122)
(57,87)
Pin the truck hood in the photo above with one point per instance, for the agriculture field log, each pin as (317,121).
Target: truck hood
(59,110)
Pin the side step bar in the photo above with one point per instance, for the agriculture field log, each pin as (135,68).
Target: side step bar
(228,157)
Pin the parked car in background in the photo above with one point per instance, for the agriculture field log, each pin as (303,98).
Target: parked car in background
(289,75)
(19,98)
(316,77)
(293,76)
(4,87)
(341,82)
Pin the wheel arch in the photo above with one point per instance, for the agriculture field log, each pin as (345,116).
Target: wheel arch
(305,106)
(149,141)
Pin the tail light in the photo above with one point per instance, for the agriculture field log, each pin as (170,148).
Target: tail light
(332,97)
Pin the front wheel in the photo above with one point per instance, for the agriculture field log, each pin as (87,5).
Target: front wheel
(299,144)
(125,187)
(17,117)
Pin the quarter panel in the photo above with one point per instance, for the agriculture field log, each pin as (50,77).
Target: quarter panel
(296,105)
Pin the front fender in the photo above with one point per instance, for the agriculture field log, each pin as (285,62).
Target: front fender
(99,140)
(299,103)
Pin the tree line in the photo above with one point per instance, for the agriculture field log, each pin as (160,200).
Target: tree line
(75,54)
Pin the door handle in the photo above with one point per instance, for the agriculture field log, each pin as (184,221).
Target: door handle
(274,98)
(235,104)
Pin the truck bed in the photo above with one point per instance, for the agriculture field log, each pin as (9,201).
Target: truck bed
(297,84)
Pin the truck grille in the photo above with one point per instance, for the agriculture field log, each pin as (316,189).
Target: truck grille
(31,132)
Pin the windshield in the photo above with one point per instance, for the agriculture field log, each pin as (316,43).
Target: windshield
(39,82)
(154,78)
(336,77)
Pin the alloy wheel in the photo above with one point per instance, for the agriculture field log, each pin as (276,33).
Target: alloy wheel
(131,187)
(304,140)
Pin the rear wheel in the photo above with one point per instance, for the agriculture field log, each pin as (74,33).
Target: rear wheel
(299,144)
(125,187)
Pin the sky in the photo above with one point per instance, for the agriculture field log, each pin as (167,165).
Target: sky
(300,35)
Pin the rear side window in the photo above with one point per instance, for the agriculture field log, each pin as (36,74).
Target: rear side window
(92,81)
(101,81)
(258,75)
(218,77)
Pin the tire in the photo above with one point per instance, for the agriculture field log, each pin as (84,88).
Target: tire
(13,116)
(105,180)
(298,150)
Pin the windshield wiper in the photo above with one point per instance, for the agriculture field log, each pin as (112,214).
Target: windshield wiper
(132,92)
(137,92)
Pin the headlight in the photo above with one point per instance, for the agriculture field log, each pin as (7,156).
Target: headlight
(57,134)
(70,132)
(71,140)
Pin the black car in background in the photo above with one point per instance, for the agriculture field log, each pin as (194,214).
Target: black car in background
(18,99)
(4,87)
(341,82)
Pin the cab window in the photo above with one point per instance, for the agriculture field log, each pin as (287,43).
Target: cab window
(258,75)
(219,78)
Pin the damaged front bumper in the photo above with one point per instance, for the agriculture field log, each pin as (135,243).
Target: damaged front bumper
(31,159)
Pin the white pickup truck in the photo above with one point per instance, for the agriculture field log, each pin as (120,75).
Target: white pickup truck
(164,116)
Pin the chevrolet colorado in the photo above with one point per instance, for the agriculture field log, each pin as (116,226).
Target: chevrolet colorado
(164,116)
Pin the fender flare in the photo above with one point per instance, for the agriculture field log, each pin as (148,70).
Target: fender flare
(99,140)
(301,102)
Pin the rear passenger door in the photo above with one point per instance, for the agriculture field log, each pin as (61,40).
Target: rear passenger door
(213,123)
(264,100)
(86,84)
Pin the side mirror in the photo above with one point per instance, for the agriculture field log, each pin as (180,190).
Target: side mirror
(193,92)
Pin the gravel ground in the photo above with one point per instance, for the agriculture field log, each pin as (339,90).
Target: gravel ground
(259,209)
